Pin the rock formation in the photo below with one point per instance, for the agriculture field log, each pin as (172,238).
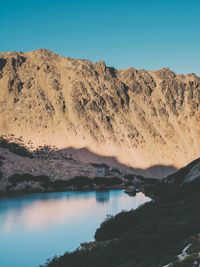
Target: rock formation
(143,118)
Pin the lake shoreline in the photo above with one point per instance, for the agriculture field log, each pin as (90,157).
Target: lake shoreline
(20,185)
(63,219)
(16,194)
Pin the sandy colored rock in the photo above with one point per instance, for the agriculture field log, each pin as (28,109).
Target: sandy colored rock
(143,118)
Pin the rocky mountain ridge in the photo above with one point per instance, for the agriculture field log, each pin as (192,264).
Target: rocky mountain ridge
(143,118)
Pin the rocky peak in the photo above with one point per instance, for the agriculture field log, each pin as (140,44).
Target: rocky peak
(143,118)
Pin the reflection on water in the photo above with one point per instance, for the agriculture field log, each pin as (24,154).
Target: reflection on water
(102,196)
(51,223)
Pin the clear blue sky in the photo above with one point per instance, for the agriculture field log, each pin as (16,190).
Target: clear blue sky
(141,33)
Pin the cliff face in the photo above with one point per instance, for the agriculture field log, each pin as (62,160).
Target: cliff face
(143,118)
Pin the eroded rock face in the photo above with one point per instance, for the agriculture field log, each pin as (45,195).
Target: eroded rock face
(143,118)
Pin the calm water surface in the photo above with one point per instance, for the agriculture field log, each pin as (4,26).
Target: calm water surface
(35,227)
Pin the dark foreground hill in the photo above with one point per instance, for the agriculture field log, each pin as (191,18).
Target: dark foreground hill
(151,236)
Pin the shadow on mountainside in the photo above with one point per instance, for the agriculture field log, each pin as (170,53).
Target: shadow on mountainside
(87,156)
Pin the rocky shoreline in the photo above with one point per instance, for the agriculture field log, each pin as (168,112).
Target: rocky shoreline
(47,190)
(80,183)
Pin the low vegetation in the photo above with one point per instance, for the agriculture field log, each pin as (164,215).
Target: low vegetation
(150,236)
(49,184)
(81,182)
(18,178)
(15,148)
(1,163)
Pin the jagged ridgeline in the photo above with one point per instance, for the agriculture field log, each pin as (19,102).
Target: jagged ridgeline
(144,118)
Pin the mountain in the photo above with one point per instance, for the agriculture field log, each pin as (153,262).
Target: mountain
(141,118)
(187,174)
(161,233)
